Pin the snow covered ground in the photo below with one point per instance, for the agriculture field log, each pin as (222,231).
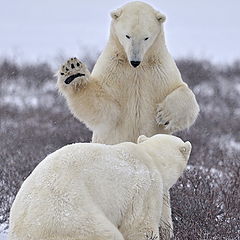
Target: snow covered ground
(3,232)
(3,236)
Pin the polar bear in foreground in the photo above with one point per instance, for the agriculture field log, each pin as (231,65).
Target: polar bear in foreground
(93,191)
(135,87)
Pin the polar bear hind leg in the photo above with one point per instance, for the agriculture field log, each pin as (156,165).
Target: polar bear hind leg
(106,232)
(166,224)
(91,224)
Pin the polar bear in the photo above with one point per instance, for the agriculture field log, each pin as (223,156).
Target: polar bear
(95,191)
(135,87)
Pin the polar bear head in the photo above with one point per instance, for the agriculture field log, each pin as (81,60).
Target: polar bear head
(169,153)
(136,26)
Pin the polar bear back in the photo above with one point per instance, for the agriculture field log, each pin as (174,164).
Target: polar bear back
(87,191)
(78,180)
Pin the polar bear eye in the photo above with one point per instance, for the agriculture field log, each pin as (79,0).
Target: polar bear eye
(145,39)
(128,37)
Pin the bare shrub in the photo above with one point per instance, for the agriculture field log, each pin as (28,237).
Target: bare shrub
(34,75)
(196,71)
(231,70)
(8,69)
(37,74)
(204,204)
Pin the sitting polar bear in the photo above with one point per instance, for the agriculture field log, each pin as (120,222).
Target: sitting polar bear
(135,87)
(93,191)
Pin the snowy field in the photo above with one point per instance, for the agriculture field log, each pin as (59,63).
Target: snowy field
(3,236)
(35,121)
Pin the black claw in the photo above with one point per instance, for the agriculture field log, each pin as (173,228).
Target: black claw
(72,66)
(71,58)
(62,73)
(67,69)
(166,123)
(71,78)
(78,64)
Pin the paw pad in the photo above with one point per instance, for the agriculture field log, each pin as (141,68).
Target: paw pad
(72,69)
(71,78)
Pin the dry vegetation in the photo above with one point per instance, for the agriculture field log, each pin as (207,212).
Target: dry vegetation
(35,121)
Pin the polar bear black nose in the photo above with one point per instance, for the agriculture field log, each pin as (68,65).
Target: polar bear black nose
(135,63)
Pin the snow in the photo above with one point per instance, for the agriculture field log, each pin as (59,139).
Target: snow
(3,236)
(237,86)
(204,90)
(234,145)
(3,232)
(22,96)
(213,172)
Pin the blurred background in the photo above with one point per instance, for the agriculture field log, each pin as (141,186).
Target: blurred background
(203,37)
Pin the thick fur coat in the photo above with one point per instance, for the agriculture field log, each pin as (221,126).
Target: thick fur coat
(119,102)
(90,191)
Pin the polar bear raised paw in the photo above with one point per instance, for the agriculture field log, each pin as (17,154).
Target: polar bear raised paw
(74,73)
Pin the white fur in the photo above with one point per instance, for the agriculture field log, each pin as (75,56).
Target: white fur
(120,102)
(92,191)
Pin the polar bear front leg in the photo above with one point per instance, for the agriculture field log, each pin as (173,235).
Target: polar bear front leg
(178,111)
(166,224)
(144,214)
(145,231)
(86,97)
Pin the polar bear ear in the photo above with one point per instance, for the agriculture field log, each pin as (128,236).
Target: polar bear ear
(160,17)
(142,138)
(116,13)
(186,149)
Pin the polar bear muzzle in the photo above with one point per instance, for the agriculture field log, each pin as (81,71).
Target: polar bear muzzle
(135,63)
